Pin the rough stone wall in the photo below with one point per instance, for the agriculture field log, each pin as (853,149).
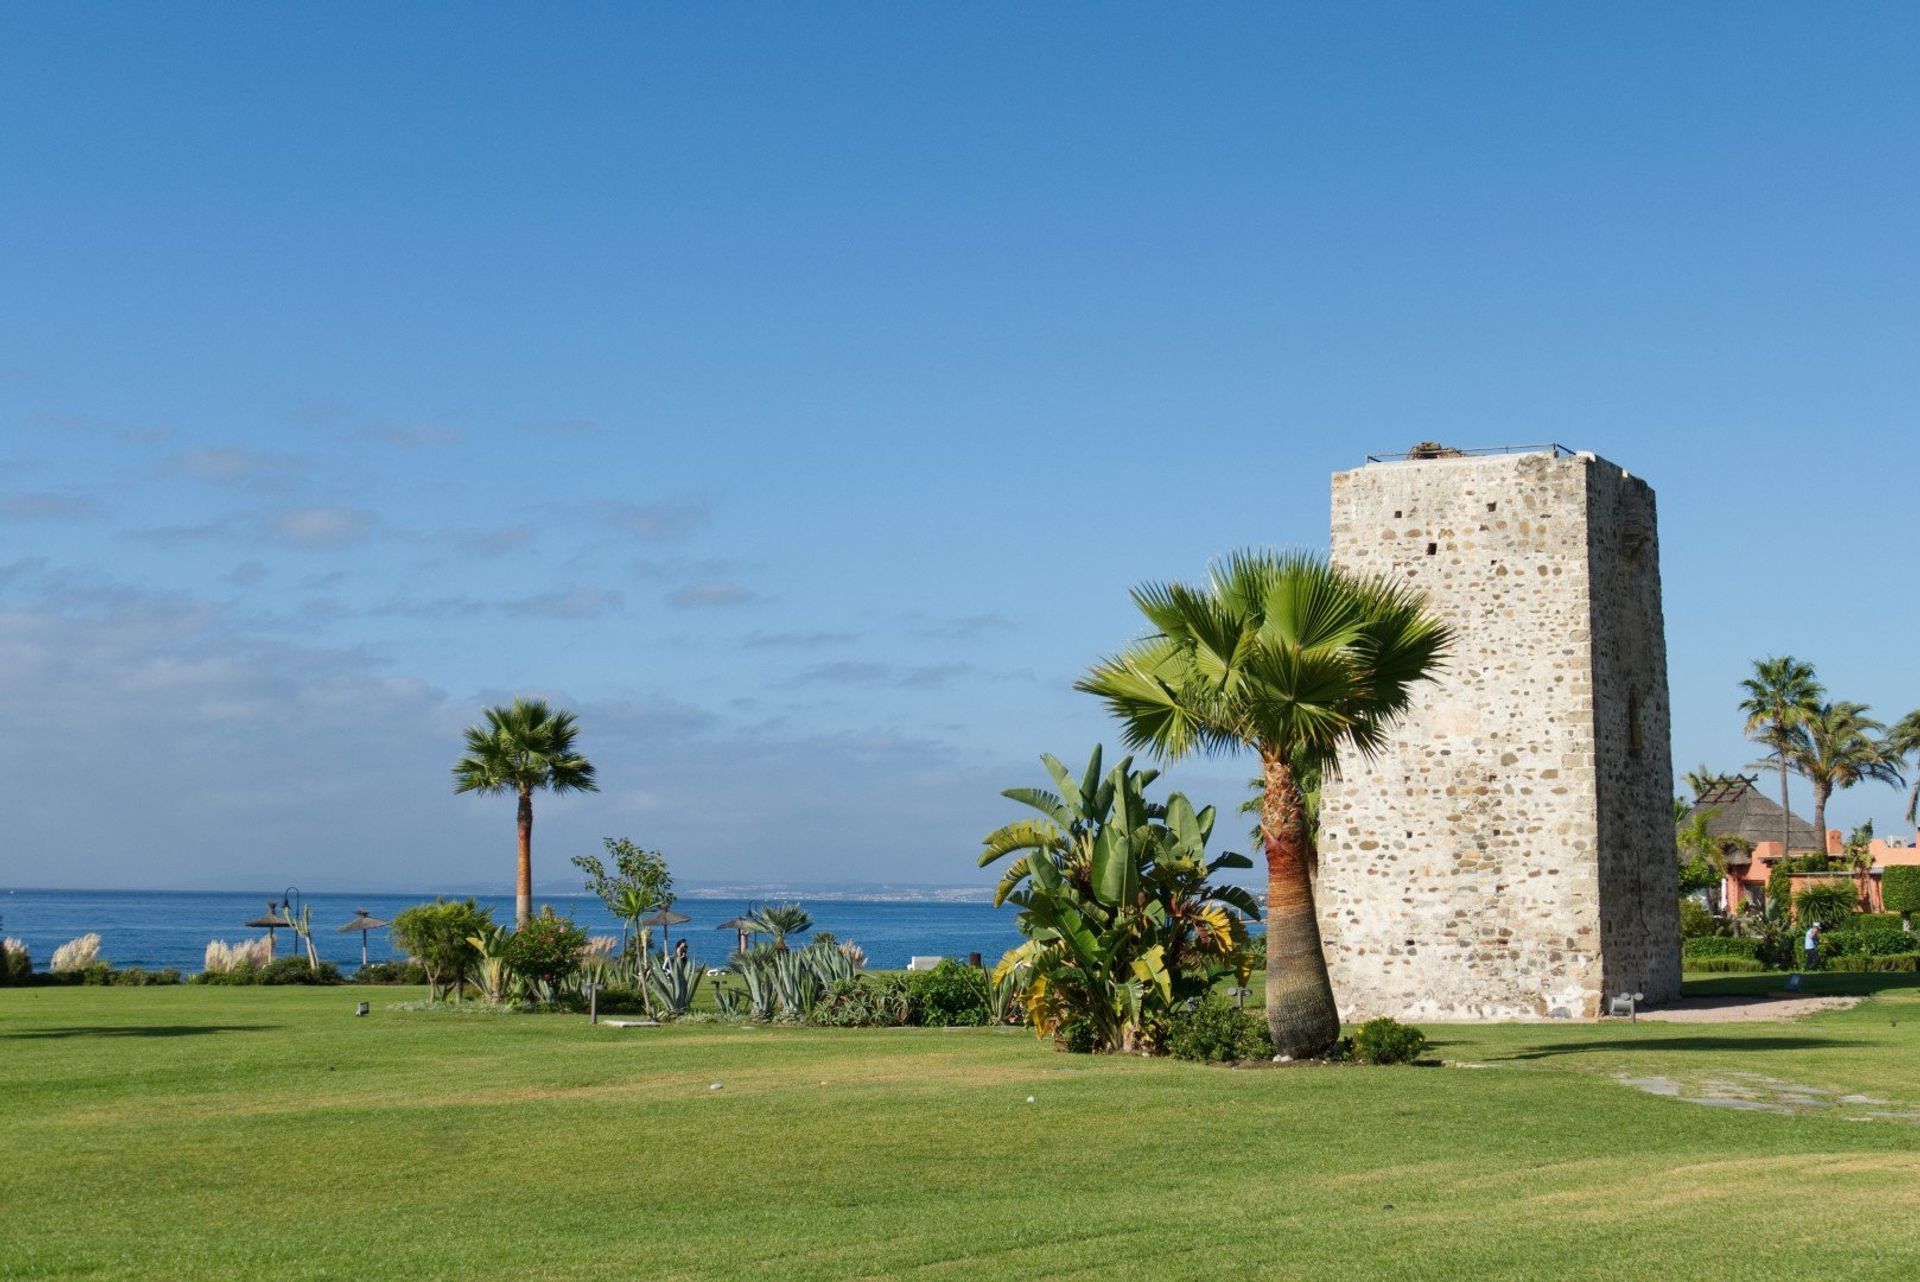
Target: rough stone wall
(1639,887)
(1472,870)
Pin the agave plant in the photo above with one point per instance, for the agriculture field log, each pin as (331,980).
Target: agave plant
(796,983)
(1121,914)
(757,975)
(828,961)
(490,970)
(726,998)
(672,982)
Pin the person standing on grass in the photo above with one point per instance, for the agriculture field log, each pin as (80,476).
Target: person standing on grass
(1813,944)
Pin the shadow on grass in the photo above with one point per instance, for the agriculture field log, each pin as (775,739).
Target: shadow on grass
(135,1030)
(1691,1042)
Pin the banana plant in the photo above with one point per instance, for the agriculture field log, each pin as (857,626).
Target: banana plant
(1117,899)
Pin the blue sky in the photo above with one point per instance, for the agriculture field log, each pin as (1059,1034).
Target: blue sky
(796,390)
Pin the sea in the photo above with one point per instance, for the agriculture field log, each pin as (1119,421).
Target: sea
(161,928)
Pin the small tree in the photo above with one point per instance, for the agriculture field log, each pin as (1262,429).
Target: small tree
(639,885)
(440,937)
(1900,888)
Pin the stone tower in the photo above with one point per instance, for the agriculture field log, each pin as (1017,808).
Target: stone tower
(1510,853)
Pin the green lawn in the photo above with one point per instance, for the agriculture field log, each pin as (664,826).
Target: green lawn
(266,1133)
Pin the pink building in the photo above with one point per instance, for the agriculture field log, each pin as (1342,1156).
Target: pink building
(1741,810)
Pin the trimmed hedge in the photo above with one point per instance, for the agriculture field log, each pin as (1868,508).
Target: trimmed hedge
(1900,888)
(1897,963)
(1873,941)
(1720,946)
(1723,965)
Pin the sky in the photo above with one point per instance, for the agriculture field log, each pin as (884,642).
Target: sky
(794,391)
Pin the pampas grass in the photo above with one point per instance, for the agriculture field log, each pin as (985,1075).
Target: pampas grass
(16,963)
(223,958)
(855,954)
(76,954)
(600,948)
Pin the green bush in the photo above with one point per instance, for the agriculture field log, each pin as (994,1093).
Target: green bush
(1719,946)
(1830,901)
(1780,875)
(1860,920)
(546,951)
(279,971)
(1870,941)
(1897,963)
(1214,1032)
(1696,919)
(951,994)
(1900,888)
(1388,1041)
(438,936)
(1723,965)
(137,977)
(401,971)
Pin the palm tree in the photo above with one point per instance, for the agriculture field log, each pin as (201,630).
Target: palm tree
(1835,747)
(1904,741)
(523,747)
(781,920)
(1701,778)
(1780,694)
(1298,661)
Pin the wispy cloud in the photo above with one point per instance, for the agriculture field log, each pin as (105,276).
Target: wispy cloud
(236,466)
(246,573)
(565,603)
(861,673)
(46,505)
(498,541)
(962,628)
(796,640)
(695,596)
(410,435)
(315,527)
(94,425)
(653,522)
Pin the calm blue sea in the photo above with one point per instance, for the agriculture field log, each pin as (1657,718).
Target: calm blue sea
(171,928)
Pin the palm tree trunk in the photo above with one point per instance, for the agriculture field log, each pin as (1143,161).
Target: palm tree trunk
(1820,816)
(523,882)
(1786,815)
(1300,1010)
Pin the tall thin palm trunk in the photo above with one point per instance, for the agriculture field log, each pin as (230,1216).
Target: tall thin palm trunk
(523,881)
(1786,815)
(1820,816)
(1300,1009)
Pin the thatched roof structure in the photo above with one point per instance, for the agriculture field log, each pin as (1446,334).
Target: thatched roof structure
(1742,810)
(665,917)
(362,920)
(269,922)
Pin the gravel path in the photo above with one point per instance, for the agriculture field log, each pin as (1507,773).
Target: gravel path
(1730,1010)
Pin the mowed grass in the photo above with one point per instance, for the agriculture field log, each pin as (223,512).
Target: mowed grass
(255,1133)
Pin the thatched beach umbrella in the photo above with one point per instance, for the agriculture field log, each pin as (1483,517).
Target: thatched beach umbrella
(363,921)
(665,917)
(270,923)
(744,926)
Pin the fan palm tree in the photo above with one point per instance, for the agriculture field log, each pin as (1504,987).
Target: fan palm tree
(1285,655)
(781,920)
(1904,741)
(524,747)
(1835,747)
(1781,693)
